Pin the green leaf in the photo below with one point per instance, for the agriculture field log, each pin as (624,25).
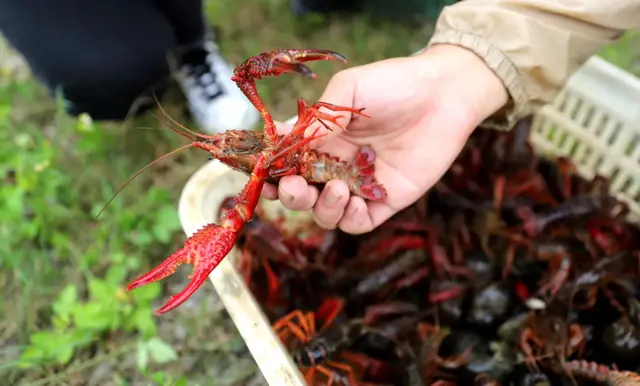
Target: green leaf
(14,201)
(119,381)
(118,257)
(116,274)
(159,377)
(63,306)
(181,382)
(95,317)
(103,291)
(90,257)
(30,357)
(142,239)
(147,293)
(142,356)
(45,339)
(66,299)
(143,320)
(157,195)
(160,351)
(64,354)
(49,345)
(98,288)
(4,113)
(167,222)
(60,240)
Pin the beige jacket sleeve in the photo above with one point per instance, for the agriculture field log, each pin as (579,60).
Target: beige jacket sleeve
(535,45)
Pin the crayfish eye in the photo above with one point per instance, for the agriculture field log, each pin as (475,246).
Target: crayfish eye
(213,142)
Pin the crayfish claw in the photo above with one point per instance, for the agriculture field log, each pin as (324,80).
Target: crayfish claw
(277,62)
(204,250)
(286,63)
(292,60)
(304,70)
(308,55)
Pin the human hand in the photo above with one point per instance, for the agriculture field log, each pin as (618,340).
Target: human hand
(422,110)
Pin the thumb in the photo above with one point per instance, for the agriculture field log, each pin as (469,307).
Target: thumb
(284,127)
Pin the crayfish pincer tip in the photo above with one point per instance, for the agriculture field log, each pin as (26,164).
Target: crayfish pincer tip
(314,54)
(139,282)
(199,276)
(339,57)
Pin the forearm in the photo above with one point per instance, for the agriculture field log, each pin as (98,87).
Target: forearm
(533,46)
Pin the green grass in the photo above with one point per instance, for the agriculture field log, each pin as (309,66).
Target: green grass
(66,319)
(625,53)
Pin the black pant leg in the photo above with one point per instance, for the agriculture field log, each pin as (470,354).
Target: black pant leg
(187,18)
(101,55)
(301,7)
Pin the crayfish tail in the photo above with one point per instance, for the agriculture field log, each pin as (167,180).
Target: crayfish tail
(204,250)
(366,184)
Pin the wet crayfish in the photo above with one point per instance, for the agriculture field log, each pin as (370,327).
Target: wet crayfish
(266,157)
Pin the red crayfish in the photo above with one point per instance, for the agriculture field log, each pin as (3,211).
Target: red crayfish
(266,157)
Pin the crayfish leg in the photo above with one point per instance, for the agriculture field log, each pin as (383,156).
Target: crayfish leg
(329,311)
(376,311)
(334,377)
(303,333)
(307,115)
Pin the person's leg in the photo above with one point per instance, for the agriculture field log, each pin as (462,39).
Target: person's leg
(101,55)
(186,17)
(216,102)
(302,7)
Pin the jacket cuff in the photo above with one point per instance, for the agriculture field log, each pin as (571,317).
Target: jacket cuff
(498,62)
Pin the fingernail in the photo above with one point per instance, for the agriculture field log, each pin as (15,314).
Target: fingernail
(352,210)
(286,196)
(332,198)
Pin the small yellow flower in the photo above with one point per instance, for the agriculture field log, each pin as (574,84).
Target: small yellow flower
(42,166)
(85,122)
(121,295)
(5,72)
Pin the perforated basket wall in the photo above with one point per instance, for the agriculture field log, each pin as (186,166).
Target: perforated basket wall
(595,121)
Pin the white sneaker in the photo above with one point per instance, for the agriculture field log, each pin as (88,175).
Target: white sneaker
(215,101)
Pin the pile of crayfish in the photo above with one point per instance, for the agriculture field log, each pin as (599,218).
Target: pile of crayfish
(512,270)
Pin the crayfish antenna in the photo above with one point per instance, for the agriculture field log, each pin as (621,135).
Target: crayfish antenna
(204,250)
(136,174)
(189,134)
(192,135)
(173,129)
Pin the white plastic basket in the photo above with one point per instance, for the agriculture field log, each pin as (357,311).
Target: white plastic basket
(595,120)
